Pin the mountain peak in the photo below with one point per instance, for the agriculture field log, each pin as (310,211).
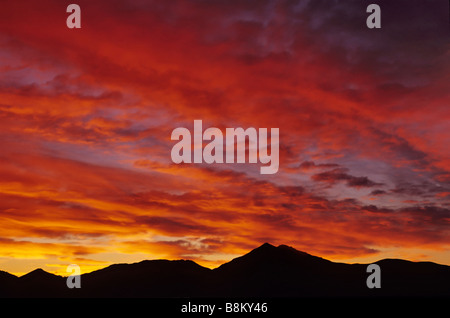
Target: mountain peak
(265,250)
(38,273)
(279,250)
(265,246)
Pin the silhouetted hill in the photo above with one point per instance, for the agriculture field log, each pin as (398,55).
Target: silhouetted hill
(266,271)
(7,283)
(400,277)
(157,278)
(39,283)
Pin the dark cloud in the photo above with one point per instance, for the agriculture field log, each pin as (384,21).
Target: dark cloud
(374,208)
(432,214)
(424,189)
(378,192)
(340,174)
(173,225)
(413,34)
(307,165)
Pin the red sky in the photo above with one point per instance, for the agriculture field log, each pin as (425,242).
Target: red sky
(86,116)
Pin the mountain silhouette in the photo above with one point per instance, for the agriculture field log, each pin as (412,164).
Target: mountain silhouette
(35,282)
(157,278)
(8,283)
(266,271)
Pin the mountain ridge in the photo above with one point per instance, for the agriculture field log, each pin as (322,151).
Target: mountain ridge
(266,271)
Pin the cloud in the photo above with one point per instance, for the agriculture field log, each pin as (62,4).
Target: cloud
(378,192)
(422,189)
(340,174)
(308,165)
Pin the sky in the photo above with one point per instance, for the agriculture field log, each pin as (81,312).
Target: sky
(86,116)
